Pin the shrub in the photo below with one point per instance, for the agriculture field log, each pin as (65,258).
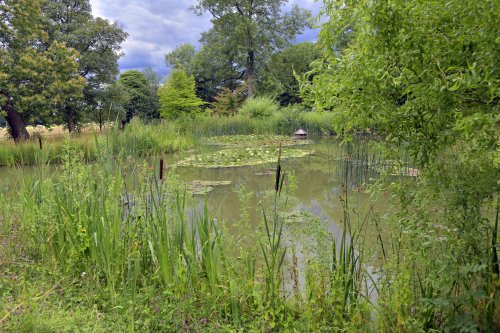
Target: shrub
(227,101)
(259,107)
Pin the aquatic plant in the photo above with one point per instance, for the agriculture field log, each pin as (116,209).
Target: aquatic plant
(255,140)
(227,158)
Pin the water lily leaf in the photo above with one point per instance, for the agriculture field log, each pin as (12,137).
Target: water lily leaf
(256,140)
(236,157)
(199,187)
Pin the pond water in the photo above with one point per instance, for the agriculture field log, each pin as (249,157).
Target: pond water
(315,181)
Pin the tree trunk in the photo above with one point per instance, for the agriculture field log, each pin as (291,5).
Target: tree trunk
(16,123)
(70,121)
(250,75)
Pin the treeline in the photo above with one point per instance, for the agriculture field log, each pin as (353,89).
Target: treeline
(59,64)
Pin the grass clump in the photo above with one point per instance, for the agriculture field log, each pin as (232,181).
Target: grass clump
(259,107)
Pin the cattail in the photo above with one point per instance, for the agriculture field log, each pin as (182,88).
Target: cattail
(161,168)
(278,171)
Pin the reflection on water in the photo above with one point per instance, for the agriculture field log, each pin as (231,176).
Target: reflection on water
(316,181)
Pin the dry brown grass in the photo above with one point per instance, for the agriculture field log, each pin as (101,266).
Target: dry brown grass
(53,131)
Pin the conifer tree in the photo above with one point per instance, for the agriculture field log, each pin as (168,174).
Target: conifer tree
(178,96)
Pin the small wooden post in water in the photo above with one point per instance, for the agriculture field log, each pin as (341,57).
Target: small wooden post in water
(161,167)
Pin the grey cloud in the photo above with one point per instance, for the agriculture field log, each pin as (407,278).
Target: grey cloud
(156,27)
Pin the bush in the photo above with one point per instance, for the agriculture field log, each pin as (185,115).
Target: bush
(259,107)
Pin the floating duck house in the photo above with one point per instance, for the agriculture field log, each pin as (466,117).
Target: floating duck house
(300,134)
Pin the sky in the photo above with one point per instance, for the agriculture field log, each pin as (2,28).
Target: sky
(156,27)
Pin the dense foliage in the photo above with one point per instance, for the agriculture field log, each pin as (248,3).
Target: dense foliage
(178,96)
(34,79)
(97,42)
(279,78)
(259,107)
(141,101)
(424,75)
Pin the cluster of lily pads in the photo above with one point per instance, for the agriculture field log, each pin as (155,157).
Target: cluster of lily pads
(236,157)
(255,140)
(198,187)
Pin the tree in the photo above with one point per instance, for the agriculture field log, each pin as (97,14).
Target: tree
(181,57)
(98,43)
(227,101)
(250,31)
(283,67)
(415,77)
(177,95)
(424,76)
(35,79)
(141,102)
(111,105)
(211,67)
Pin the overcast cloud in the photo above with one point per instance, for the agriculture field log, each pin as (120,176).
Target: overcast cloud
(156,27)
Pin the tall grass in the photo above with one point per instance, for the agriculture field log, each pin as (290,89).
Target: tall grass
(278,123)
(137,139)
(29,153)
(88,221)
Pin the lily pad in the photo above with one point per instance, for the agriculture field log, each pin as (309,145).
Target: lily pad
(228,158)
(266,172)
(198,187)
(255,140)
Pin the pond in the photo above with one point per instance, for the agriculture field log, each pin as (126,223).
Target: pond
(235,178)
(316,181)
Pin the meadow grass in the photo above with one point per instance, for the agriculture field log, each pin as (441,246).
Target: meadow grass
(283,123)
(140,254)
(137,139)
(145,260)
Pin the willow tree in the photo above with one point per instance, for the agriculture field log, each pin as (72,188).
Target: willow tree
(252,30)
(35,79)
(424,75)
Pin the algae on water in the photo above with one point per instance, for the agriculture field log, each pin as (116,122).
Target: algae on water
(198,187)
(236,157)
(256,140)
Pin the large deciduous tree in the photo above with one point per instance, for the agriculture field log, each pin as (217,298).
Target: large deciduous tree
(98,43)
(36,77)
(141,102)
(417,77)
(250,30)
(211,67)
(283,67)
(424,75)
